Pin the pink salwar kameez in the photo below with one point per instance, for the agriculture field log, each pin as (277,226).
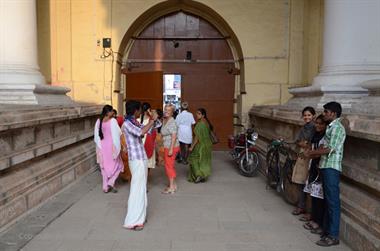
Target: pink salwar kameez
(108,152)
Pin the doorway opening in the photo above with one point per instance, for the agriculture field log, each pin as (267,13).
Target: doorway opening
(172,90)
(180,45)
(159,40)
(183,39)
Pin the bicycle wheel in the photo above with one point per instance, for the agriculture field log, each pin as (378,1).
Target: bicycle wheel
(290,191)
(249,164)
(272,160)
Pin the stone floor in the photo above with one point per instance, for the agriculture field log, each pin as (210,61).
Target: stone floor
(230,212)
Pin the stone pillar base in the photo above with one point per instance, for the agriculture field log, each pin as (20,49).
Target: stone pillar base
(317,96)
(369,104)
(364,99)
(34,94)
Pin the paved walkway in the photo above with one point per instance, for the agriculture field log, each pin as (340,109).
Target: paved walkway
(230,212)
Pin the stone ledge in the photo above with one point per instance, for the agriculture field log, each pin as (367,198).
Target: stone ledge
(358,238)
(26,116)
(361,208)
(21,156)
(51,177)
(361,126)
(363,175)
(27,133)
(17,183)
(359,216)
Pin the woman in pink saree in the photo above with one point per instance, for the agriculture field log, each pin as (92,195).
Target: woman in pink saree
(107,138)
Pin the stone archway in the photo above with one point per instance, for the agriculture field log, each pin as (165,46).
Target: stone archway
(198,9)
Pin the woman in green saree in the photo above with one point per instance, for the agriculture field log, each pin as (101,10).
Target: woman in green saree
(201,148)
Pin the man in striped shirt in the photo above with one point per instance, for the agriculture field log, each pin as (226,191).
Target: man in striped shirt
(133,132)
(331,167)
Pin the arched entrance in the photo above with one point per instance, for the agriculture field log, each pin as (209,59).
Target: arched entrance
(190,39)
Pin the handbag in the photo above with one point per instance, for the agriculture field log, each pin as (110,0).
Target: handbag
(307,188)
(301,170)
(316,190)
(213,137)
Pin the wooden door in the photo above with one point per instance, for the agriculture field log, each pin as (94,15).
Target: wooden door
(145,87)
(214,91)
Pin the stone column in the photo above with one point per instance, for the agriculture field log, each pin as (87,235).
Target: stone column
(20,79)
(351,53)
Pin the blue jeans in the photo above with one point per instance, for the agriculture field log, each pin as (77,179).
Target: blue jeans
(330,181)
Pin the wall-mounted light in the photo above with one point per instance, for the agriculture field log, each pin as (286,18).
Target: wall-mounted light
(107,42)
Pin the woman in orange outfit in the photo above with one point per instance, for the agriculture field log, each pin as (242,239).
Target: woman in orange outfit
(171,147)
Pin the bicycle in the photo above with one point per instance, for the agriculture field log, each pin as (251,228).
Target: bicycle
(279,175)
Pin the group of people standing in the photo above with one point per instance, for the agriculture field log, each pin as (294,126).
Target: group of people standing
(128,146)
(133,139)
(317,171)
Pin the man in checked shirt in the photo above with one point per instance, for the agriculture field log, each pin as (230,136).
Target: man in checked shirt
(331,167)
(133,132)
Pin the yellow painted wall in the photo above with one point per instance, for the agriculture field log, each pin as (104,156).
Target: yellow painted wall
(280,40)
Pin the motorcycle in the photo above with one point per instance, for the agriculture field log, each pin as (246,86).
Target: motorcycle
(244,152)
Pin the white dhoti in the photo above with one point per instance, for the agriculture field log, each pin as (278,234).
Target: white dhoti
(137,201)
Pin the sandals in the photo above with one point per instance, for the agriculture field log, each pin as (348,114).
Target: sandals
(110,189)
(327,242)
(317,231)
(200,179)
(310,226)
(197,179)
(298,211)
(138,228)
(306,217)
(135,228)
(169,191)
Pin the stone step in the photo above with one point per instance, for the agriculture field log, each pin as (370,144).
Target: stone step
(27,187)
(36,115)
(16,183)
(358,238)
(13,157)
(362,174)
(362,208)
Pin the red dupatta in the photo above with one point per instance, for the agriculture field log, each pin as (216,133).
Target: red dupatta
(150,142)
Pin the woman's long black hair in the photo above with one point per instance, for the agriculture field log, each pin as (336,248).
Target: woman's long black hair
(204,113)
(145,107)
(105,111)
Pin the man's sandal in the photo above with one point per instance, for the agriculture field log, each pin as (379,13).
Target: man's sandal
(310,226)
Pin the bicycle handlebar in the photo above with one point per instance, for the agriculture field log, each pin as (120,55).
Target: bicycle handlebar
(290,142)
(282,141)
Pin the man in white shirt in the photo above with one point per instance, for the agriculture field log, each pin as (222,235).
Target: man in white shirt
(184,121)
